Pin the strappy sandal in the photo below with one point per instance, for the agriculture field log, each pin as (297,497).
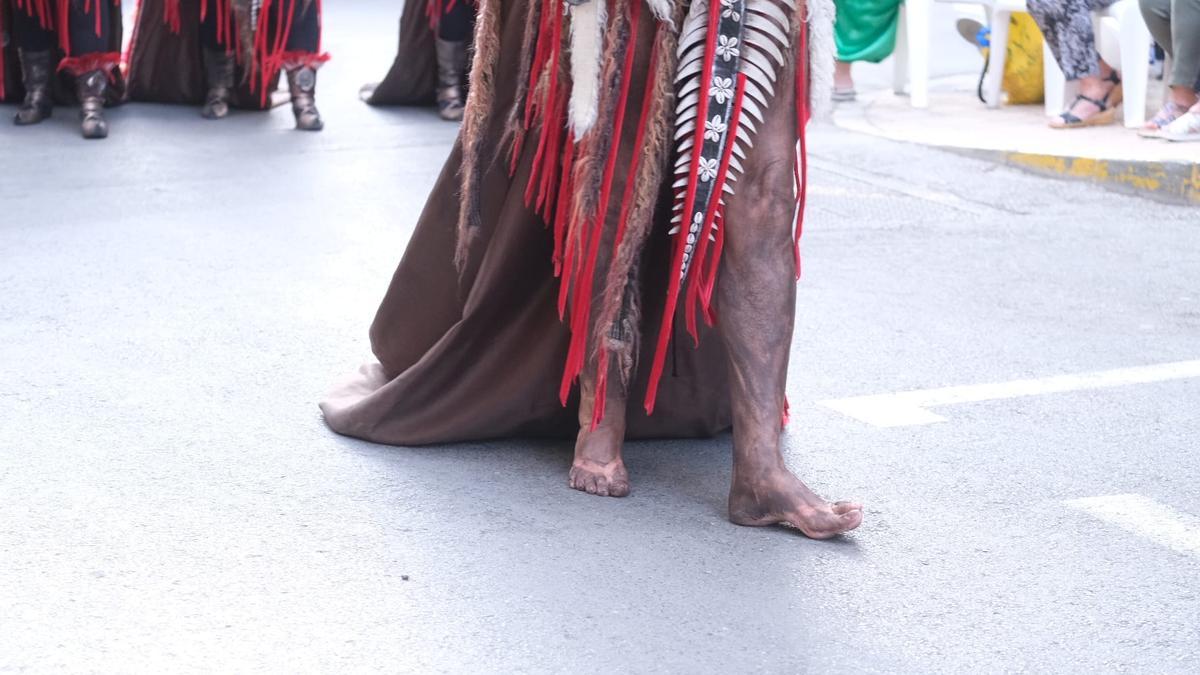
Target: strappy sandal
(1107,113)
(1170,112)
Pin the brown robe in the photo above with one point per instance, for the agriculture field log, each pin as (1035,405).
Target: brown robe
(412,79)
(483,358)
(165,67)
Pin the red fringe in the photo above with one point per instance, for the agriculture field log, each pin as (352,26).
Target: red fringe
(601,394)
(581,309)
(696,281)
(542,191)
(79,65)
(436,9)
(269,51)
(668,318)
(56,16)
(3,66)
(803,116)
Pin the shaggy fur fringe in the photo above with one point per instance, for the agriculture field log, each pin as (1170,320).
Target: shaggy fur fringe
(480,101)
(514,127)
(592,153)
(619,308)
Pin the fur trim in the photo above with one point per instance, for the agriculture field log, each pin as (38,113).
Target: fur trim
(587,39)
(514,128)
(822,52)
(476,116)
(615,311)
(592,154)
(662,10)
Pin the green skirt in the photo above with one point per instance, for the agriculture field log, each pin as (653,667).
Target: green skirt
(866,29)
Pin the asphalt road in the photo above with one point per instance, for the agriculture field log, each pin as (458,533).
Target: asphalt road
(175,300)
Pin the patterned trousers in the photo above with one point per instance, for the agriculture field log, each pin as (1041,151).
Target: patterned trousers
(1067,26)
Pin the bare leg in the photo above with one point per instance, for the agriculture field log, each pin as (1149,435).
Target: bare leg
(598,468)
(842,77)
(756,308)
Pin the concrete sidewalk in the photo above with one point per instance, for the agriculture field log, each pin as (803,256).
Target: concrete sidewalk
(1018,135)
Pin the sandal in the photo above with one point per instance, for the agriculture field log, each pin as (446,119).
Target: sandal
(844,94)
(1154,128)
(1106,113)
(1184,129)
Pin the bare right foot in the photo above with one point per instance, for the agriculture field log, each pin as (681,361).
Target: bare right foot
(598,468)
(778,497)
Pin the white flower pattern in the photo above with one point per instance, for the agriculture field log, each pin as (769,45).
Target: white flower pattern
(730,12)
(708,169)
(722,89)
(727,48)
(714,128)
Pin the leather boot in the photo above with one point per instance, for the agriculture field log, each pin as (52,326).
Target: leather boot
(91,88)
(302,83)
(218,74)
(452,70)
(36,68)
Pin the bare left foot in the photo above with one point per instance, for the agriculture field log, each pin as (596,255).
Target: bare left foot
(778,497)
(598,468)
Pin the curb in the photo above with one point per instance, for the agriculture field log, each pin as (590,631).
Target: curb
(1172,182)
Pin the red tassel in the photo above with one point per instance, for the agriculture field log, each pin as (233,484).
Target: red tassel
(80,65)
(3,66)
(582,310)
(803,115)
(270,55)
(668,318)
(696,281)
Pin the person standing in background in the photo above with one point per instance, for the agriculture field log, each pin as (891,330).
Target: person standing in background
(222,53)
(865,30)
(431,63)
(79,37)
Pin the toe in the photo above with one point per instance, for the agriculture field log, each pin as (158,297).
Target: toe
(619,488)
(842,508)
(602,486)
(850,520)
(589,484)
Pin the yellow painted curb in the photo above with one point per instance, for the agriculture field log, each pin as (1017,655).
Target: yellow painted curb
(1167,181)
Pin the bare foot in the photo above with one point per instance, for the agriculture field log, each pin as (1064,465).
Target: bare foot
(778,497)
(598,468)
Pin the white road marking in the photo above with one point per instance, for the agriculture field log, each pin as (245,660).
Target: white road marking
(1145,517)
(909,408)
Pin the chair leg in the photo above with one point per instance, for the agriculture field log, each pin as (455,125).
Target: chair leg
(1054,83)
(1135,68)
(917,34)
(997,55)
(900,56)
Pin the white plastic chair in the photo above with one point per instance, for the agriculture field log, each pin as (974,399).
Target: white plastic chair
(1120,31)
(1122,38)
(912,48)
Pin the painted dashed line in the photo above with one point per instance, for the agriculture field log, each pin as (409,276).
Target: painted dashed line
(911,408)
(1147,518)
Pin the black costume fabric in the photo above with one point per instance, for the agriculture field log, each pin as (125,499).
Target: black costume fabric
(166,55)
(412,79)
(84,34)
